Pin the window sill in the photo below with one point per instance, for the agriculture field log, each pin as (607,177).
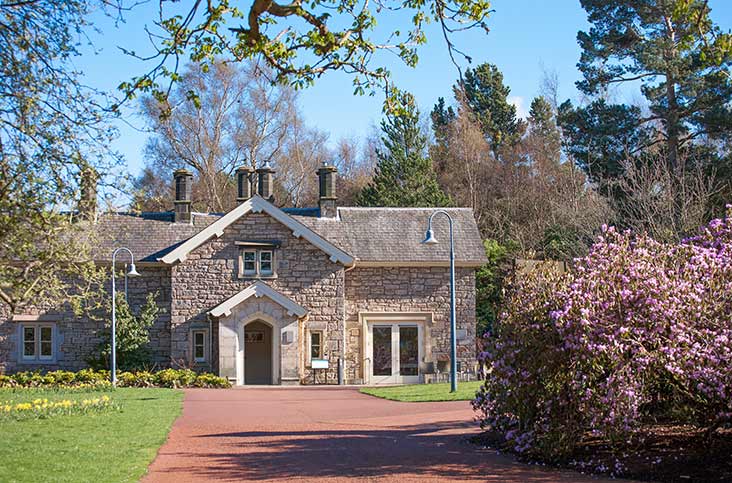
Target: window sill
(37,362)
(257,277)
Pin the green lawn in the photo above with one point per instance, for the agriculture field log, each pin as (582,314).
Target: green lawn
(111,446)
(425,392)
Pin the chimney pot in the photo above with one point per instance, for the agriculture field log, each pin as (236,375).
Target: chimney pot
(327,175)
(265,182)
(183,180)
(244,176)
(88,196)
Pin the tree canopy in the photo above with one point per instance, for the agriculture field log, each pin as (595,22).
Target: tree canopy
(300,42)
(404,174)
(53,128)
(681,59)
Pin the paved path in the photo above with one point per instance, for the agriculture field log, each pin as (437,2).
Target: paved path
(333,434)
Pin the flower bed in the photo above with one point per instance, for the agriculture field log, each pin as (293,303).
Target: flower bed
(90,379)
(638,332)
(43,408)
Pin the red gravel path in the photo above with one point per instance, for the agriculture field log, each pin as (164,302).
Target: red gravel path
(334,434)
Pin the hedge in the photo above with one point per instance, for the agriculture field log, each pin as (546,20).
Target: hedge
(88,378)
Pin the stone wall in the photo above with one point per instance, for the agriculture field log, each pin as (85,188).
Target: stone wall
(78,337)
(304,273)
(411,289)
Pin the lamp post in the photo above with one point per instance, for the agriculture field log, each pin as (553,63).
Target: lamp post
(430,239)
(131,273)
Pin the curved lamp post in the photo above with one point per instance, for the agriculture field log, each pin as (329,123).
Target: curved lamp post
(132,273)
(430,239)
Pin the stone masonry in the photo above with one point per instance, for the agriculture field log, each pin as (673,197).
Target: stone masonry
(409,290)
(303,273)
(334,295)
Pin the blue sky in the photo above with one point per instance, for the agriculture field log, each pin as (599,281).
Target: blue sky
(526,37)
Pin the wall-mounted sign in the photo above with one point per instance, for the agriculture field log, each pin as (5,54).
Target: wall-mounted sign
(319,363)
(254,336)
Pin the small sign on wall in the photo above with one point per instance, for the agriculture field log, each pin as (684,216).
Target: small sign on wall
(287,337)
(254,337)
(319,363)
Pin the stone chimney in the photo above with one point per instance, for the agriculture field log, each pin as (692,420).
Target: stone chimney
(244,177)
(327,182)
(88,178)
(265,182)
(183,185)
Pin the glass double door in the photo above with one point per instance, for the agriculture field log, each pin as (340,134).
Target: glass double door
(395,353)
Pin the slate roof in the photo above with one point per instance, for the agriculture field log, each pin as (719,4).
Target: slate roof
(367,234)
(148,235)
(395,234)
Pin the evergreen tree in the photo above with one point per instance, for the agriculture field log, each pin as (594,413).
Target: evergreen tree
(487,97)
(544,139)
(404,174)
(601,136)
(679,56)
(441,117)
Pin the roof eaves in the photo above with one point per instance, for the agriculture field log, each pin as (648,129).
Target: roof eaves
(258,289)
(256,204)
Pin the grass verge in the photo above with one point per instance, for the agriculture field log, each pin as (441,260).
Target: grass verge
(425,392)
(115,446)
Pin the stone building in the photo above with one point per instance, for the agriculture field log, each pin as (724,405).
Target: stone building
(264,295)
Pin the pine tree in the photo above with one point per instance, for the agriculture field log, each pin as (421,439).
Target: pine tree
(404,174)
(487,96)
(678,55)
(544,139)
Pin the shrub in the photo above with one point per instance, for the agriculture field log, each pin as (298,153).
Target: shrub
(133,336)
(639,329)
(175,377)
(90,379)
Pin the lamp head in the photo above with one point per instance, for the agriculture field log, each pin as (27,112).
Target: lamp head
(429,238)
(133,273)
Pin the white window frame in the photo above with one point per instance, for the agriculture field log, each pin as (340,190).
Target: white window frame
(261,262)
(37,357)
(203,359)
(310,344)
(244,261)
(258,272)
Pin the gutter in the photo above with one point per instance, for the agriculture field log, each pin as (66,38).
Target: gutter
(342,375)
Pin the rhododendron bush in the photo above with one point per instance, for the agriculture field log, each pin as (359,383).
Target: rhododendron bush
(638,331)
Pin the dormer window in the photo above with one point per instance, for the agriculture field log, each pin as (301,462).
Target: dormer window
(257,259)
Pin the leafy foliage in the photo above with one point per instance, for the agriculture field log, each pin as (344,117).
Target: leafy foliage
(133,335)
(404,174)
(301,42)
(87,379)
(640,330)
(490,280)
(52,129)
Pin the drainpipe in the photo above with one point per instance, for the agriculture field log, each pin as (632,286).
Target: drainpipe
(342,365)
(211,344)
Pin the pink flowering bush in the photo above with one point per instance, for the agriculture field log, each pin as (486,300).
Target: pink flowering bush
(639,330)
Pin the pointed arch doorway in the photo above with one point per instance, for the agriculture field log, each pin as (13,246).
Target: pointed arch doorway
(258,353)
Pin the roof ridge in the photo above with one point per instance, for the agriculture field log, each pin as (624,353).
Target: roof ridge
(403,208)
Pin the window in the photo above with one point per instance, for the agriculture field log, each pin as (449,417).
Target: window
(199,346)
(38,342)
(250,262)
(256,262)
(316,345)
(265,262)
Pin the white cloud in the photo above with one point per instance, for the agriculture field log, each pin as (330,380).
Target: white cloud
(519,102)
